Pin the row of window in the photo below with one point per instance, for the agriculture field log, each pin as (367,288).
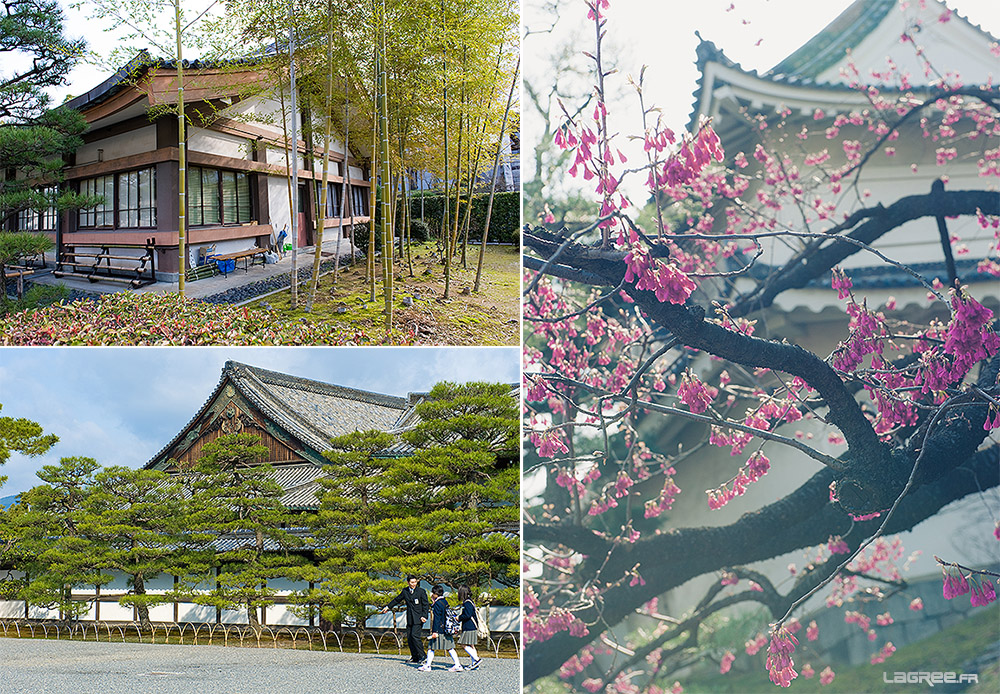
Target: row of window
(129,199)
(44,220)
(214,197)
(357,205)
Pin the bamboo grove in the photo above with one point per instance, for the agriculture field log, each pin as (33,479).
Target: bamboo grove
(415,87)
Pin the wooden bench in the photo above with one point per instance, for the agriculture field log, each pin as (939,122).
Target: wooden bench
(248,256)
(98,267)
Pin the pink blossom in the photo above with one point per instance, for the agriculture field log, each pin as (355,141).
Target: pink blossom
(826,676)
(837,545)
(954,585)
(812,631)
(916,604)
(779,660)
(695,394)
(887,650)
(727,662)
(755,644)
(549,443)
(807,671)
(983,592)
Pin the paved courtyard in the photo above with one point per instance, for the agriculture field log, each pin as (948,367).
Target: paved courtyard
(73,667)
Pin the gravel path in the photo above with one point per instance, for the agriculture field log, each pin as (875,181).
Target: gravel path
(44,667)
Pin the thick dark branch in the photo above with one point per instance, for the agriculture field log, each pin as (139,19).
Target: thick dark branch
(566,273)
(804,518)
(821,256)
(688,324)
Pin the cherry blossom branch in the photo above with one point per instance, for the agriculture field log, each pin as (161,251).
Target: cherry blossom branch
(981,572)
(804,518)
(986,96)
(690,326)
(567,316)
(881,529)
(562,247)
(827,460)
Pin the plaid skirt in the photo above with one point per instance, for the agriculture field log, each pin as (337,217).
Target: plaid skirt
(441,642)
(468,638)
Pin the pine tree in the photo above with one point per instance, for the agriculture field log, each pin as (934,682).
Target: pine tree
(237,500)
(449,503)
(345,583)
(135,522)
(47,525)
(33,138)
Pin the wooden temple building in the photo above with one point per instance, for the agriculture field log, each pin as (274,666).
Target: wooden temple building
(295,419)
(237,172)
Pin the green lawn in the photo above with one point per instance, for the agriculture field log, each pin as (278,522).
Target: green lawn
(489,317)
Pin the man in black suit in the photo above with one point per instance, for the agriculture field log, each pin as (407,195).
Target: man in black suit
(417,609)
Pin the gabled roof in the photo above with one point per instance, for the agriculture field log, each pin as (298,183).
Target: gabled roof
(129,75)
(311,411)
(829,46)
(314,411)
(869,31)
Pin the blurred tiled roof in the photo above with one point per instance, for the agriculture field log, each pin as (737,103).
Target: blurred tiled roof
(829,45)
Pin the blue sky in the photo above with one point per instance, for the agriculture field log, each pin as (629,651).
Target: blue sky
(121,405)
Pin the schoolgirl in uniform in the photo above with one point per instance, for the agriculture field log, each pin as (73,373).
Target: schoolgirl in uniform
(440,639)
(470,626)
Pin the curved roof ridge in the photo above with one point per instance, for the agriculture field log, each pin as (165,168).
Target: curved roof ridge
(307,384)
(248,379)
(977,27)
(828,46)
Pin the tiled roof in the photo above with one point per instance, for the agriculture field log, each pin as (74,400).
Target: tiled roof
(300,482)
(313,411)
(803,67)
(829,45)
(131,72)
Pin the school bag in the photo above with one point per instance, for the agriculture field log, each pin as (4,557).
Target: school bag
(481,629)
(453,620)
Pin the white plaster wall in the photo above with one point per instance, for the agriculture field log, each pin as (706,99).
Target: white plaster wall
(113,612)
(262,109)
(116,146)
(356,173)
(11,609)
(234,617)
(279,615)
(221,144)
(886,179)
(277,204)
(276,157)
(42,613)
(190,612)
